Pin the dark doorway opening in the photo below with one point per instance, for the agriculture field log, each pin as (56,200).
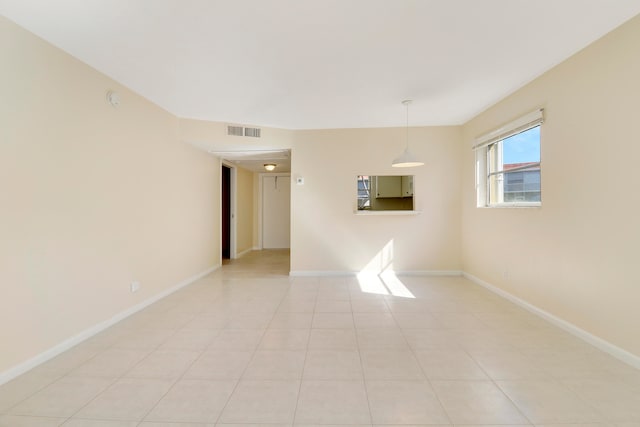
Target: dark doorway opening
(226,212)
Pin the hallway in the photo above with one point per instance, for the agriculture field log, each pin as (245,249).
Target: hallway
(249,345)
(264,263)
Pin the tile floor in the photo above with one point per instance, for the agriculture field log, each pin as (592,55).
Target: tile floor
(248,345)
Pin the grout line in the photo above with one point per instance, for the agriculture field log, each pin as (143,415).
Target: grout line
(427,379)
(264,331)
(364,382)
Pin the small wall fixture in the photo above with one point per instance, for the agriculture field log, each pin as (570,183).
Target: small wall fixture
(269,166)
(113,98)
(406,159)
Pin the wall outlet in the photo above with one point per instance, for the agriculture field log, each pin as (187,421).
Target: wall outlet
(135,286)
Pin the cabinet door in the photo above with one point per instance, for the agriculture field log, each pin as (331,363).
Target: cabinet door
(407,186)
(388,186)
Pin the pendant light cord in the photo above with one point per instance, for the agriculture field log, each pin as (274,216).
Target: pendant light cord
(407,146)
(406,104)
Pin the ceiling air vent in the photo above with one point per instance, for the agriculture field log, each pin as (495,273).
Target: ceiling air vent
(235,130)
(253,132)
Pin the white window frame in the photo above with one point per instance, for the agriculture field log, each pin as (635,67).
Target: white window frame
(481,148)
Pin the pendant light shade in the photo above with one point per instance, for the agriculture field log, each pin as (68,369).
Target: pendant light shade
(406,159)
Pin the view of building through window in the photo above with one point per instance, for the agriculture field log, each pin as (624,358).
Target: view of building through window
(514,168)
(364,192)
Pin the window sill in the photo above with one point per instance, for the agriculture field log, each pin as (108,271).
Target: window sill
(377,213)
(513,205)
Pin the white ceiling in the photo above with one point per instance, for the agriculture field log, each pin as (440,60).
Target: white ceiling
(306,64)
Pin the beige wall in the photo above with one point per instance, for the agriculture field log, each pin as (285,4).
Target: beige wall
(213,135)
(327,236)
(91,198)
(576,256)
(244,210)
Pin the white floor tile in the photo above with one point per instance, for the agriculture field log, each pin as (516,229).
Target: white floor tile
(99,423)
(332,321)
(332,402)
(285,339)
(166,364)
(219,365)
(404,402)
(390,365)
(270,402)
(24,386)
(332,339)
(193,401)
(112,362)
(376,339)
(27,421)
(237,339)
(374,320)
(476,402)
(547,401)
(127,399)
(276,365)
(449,365)
(249,346)
(332,365)
(62,398)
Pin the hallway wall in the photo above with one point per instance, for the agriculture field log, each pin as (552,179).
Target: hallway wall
(245,208)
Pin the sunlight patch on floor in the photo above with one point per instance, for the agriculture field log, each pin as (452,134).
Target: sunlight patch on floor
(378,277)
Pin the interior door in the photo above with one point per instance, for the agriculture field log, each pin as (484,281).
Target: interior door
(226,212)
(276,212)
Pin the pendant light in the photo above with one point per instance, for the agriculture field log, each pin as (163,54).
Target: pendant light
(406,159)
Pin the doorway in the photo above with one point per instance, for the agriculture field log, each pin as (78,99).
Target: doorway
(226,212)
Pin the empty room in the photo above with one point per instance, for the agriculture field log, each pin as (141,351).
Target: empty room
(319,212)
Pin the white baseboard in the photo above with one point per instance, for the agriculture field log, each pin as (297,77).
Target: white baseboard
(597,342)
(67,344)
(243,253)
(343,273)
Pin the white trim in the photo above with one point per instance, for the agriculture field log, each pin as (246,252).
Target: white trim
(67,344)
(509,205)
(375,213)
(243,253)
(342,273)
(526,122)
(233,248)
(597,342)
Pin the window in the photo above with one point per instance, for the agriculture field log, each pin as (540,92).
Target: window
(508,164)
